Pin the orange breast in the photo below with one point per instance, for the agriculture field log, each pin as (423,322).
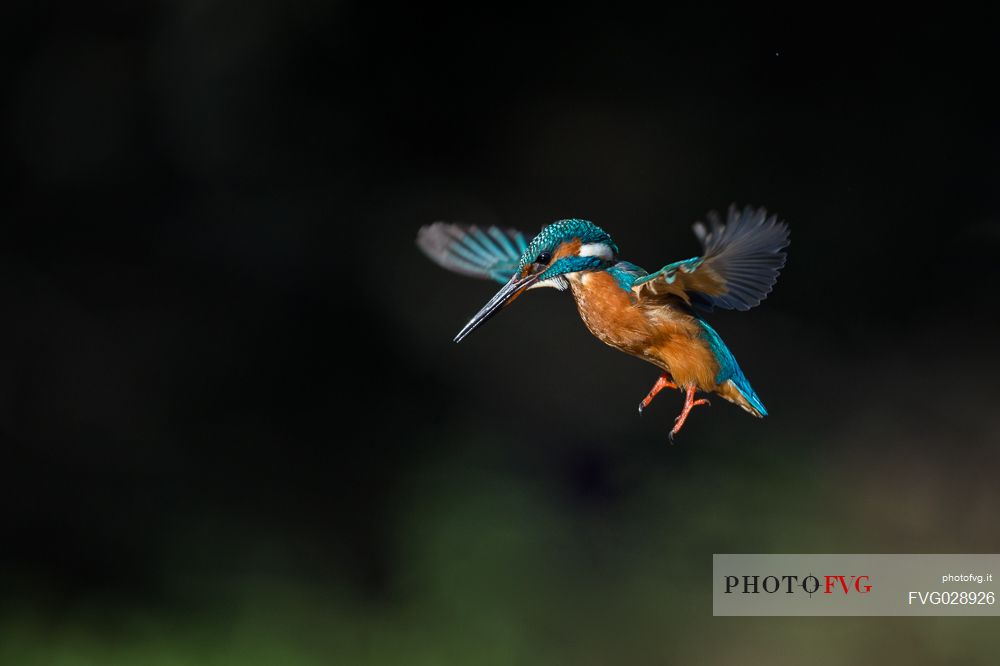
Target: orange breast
(609,312)
(667,337)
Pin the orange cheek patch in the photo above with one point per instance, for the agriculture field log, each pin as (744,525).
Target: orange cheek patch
(569,248)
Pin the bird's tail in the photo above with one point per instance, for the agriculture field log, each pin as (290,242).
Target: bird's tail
(732,383)
(744,396)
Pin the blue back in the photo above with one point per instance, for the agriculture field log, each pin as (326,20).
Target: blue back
(625,274)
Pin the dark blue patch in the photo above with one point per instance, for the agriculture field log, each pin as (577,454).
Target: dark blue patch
(571,264)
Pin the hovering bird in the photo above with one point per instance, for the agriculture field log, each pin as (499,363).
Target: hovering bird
(657,317)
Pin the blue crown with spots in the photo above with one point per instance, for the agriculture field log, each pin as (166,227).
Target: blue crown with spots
(557,233)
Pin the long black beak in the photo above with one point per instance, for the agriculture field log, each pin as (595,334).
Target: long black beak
(510,291)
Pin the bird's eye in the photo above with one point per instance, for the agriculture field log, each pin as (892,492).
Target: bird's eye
(544,258)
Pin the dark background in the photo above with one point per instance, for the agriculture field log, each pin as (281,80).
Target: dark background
(234,427)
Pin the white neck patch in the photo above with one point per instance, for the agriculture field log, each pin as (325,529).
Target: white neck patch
(559,282)
(601,250)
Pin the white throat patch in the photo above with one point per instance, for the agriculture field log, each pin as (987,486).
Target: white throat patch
(559,282)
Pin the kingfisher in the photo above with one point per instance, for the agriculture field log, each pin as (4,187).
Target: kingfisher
(657,317)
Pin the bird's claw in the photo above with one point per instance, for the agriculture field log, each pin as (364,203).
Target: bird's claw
(689,404)
(664,381)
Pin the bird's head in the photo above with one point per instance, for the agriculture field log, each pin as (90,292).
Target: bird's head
(561,248)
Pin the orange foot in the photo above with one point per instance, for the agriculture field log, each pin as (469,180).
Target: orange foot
(689,404)
(663,382)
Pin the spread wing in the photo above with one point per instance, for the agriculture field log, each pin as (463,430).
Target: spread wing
(490,253)
(737,269)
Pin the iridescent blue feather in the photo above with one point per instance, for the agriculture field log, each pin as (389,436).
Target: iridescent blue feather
(625,274)
(729,369)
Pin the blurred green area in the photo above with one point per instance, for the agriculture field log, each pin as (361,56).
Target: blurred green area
(496,565)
